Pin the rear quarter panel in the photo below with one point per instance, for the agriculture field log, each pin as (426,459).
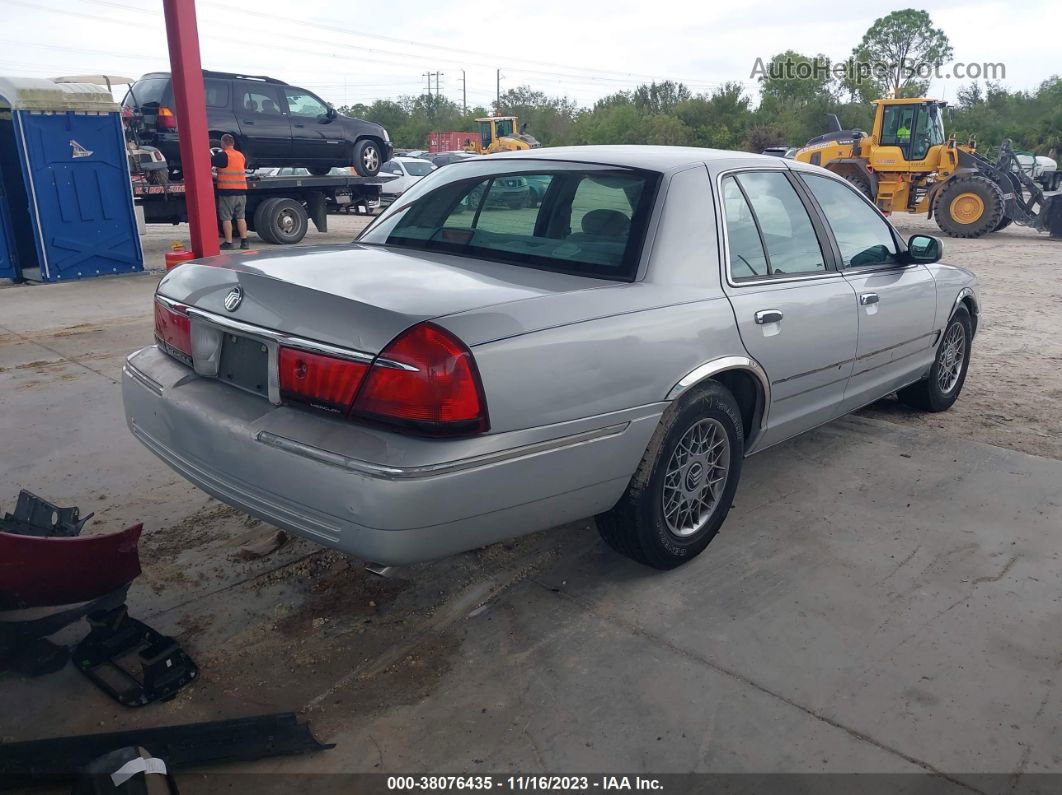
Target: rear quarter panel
(583,369)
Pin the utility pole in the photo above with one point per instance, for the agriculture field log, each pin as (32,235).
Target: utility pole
(464,94)
(429,76)
(497,101)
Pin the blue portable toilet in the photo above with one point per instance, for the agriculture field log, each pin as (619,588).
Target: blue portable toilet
(65,171)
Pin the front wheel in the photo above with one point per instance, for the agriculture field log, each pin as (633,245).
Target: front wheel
(685,484)
(367,160)
(941,389)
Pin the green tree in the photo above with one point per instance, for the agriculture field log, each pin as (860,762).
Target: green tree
(900,47)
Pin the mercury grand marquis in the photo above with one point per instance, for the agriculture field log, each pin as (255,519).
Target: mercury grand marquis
(466,372)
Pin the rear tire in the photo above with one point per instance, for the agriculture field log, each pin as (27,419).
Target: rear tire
(286,220)
(319,171)
(262,224)
(969,206)
(367,158)
(662,520)
(1004,222)
(941,389)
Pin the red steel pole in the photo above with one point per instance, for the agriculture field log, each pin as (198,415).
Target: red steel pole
(182,35)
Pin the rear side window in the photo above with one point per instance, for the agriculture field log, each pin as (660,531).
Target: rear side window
(217,93)
(785,243)
(862,235)
(259,99)
(747,259)
(589,222)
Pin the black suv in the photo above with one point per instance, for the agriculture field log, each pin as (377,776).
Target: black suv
(274,124)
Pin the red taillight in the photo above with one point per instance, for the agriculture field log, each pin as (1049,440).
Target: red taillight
(323,381)
(173,330)
(435,386)
(166,119)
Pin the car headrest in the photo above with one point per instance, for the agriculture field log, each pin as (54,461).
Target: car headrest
(606,223)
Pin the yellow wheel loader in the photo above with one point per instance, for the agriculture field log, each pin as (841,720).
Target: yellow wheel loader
(498,134)
(905,164)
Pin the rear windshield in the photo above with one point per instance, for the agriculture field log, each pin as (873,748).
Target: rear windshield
(415,169)
(589,220)
(150,90)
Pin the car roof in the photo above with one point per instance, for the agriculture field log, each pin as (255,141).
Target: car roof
(405,159)
(653,158)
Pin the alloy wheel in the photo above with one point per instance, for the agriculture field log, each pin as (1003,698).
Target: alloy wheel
(952,355)
(695,477)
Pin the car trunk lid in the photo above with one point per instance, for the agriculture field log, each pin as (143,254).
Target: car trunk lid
(356,297)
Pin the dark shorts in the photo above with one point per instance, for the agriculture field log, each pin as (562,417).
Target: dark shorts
(231,208)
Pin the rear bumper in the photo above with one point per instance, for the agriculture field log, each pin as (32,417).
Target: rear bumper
(369,492)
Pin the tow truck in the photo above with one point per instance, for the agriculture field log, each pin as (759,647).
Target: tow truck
(279,209)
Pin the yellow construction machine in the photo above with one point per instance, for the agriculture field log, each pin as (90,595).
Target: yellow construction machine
(498,134)
(906,164)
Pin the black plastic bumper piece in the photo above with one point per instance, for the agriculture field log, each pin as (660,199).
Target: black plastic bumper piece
(181,747)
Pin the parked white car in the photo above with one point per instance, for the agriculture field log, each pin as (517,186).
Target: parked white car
(407,171)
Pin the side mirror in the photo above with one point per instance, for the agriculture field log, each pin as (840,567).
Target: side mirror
(924,249)
(331,113)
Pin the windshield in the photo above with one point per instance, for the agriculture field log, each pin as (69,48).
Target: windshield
(418,169)
(589,220)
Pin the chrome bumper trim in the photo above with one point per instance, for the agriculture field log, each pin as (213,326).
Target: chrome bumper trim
(140,376)
(385,472)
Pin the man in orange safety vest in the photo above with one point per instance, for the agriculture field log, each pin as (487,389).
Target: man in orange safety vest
(231,190)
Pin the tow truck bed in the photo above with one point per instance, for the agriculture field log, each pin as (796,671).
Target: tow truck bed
(278,208)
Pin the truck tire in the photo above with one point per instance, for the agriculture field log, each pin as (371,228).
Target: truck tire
(285,221)
(367,158)
(860,183)
(969,205)
(319,171)
(1004,222)
(262,226)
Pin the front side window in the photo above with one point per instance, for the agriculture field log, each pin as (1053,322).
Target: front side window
(928,131)
(484,133)
(784,227)
(304,104)
(505,127)
(592,220)
(897,122)
(259,99)
(863,236)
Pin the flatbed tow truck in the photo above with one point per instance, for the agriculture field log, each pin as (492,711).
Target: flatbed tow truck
(279,209)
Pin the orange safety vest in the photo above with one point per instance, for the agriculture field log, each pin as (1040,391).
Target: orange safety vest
(232,177)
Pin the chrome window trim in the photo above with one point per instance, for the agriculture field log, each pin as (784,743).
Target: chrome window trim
(384,472)
(725,242)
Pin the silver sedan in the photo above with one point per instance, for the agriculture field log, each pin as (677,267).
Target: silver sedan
(468,371)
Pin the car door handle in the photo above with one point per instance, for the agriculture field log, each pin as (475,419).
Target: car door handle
(248,121)
(297,124)
(866,299)
(768,316)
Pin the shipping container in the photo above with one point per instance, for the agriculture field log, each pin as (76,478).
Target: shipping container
(448,141)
